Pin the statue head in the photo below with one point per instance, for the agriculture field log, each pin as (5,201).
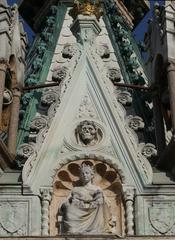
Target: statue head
(87,133)
(86,173)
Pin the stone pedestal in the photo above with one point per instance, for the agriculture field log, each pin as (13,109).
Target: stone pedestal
(85,29)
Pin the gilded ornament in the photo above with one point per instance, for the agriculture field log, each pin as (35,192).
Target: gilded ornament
(86,8)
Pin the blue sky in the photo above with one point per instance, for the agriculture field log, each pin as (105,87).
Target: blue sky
(138,32)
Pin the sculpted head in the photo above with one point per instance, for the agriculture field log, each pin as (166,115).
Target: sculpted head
(87,132)
(86,173)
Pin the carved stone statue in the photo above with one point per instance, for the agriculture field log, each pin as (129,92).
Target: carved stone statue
(85,210)
(87,133)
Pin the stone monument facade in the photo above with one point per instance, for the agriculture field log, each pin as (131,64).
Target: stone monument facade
(83,143)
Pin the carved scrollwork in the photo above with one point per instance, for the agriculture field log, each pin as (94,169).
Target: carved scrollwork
(59,73)
(103,51)
(48,98)
(68,51)
(24,152)
(148,150)
(38,123)
(114,74)
(135,122)
(124,98)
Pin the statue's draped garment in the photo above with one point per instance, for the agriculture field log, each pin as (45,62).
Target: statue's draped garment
(86,211)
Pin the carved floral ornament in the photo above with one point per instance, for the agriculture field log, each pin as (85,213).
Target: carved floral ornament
(93,188)
(103,51)
(49,97)
(114,74)
(24,152)
(38,123)
(59,73)
(68,50)
(124,97)
(88,133)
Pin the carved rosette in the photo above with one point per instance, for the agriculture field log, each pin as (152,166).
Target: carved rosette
(59,73)
(7,97)
(103,51)
(24,152)
(114,75)
(135,122)
(48,98)
(68,50)
(46,195)
(38,123)
(124,98)
(148,150)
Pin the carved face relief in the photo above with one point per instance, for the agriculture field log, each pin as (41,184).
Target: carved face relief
(86,173)
(87,133)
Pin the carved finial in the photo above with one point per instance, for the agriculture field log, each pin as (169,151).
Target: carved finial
(86,7)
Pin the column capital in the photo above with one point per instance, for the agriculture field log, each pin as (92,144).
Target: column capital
(128,193)
(46,194)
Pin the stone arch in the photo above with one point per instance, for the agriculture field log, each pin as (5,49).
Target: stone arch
(106,177)
(96,156)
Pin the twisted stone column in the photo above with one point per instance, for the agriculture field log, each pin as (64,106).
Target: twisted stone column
(129,208)
(3,68)
(45,202)
(13,125)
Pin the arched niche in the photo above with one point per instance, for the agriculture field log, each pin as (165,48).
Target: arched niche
(105,177)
